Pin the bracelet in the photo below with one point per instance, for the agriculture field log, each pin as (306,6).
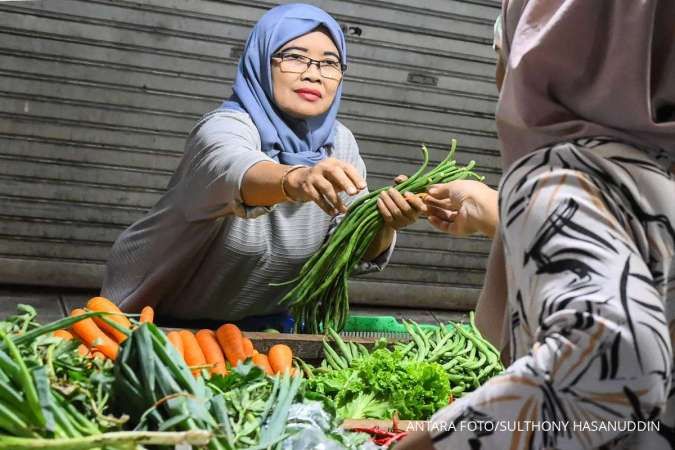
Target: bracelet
(283,180)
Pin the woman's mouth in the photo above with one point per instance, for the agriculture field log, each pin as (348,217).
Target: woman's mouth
(311,95)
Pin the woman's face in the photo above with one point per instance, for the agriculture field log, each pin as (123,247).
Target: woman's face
(306,94)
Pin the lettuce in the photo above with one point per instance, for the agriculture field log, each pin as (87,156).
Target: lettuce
(382,383)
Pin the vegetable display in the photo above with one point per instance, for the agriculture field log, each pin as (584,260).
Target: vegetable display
(319,297)
(413,380)
(54,398)
(54,394)
(245,409)
(69,384)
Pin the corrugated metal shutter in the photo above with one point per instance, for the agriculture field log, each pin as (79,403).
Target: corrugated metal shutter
(96,98)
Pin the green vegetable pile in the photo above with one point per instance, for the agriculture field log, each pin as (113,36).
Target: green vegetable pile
(383,383)
(53,398)
(245,409)
(413,380)
(467,358)
(319,298)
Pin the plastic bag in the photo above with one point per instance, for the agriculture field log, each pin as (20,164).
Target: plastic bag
(312,428)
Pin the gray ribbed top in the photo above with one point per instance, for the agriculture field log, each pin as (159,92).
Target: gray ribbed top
(200,253)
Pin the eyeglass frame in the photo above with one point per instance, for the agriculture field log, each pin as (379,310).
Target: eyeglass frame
(312,61)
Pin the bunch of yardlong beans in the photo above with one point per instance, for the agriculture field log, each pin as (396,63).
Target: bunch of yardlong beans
(319,298)
(466,356)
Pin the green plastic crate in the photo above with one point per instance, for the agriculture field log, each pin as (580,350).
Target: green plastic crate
(379,326)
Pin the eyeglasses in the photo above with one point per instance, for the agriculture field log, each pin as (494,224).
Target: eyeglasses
(294,63)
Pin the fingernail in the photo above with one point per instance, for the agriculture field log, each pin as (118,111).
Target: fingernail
(351,191)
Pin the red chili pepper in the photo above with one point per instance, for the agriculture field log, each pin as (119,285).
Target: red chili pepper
(397,437)
(383,437)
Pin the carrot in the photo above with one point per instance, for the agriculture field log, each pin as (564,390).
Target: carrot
(231,341)
(212,352)
(92,336)
(97,354)
(248,347)
(83,350)
(280,357)
(192,352)
(103,304)
(177,342)
(147,315)
(63,334)
(261,361)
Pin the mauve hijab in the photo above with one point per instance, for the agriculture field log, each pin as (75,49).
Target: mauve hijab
(578,68)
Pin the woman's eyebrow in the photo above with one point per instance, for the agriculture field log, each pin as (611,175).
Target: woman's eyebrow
(294,48)
(331,54)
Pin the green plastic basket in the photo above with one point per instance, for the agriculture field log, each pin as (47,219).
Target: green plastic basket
(380,326)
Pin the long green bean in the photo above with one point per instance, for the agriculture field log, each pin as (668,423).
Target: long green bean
(319,297)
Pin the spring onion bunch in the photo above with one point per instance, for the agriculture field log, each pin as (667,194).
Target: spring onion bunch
(319,297)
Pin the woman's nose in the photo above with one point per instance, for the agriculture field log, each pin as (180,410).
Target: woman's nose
(312,73)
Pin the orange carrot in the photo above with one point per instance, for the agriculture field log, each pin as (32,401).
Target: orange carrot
(177,342)
(261,361)
(103,304)
(97,354)
(231,341)
(147,315)
(83,350)
(212,352)
(192,352)
(92,336)
(248,347)
(280,357)
(63,334)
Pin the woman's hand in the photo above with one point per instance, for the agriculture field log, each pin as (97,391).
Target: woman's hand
(463,207)
(400,210)
(322,184)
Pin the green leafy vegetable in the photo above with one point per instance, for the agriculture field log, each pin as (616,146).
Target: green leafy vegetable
(382,383)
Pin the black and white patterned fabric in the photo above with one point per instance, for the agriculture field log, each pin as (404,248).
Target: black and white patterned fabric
(589,239)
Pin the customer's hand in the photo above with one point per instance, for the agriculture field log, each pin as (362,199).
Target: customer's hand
(322,184)
(400,210)
(463,207)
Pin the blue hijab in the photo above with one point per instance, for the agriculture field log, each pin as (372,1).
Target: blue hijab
(253,86)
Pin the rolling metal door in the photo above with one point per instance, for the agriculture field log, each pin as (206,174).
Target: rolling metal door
(97,97)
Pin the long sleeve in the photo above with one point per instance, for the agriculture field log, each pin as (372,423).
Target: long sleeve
(588,252)
(219,151)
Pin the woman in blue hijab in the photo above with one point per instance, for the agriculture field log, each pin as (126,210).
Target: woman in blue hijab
(264,180)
